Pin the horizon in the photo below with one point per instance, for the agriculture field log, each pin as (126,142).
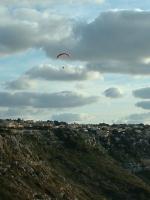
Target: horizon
(74,122)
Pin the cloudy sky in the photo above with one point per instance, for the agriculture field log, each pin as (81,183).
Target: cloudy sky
(106,78)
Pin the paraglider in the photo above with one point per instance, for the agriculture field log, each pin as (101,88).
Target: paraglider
(63,55)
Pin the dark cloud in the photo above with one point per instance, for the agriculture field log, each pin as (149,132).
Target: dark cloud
(120,35)
(143,93)
(138,118)
(45,2)
(61,74)
(120,67)
(69,117)
(115,42)
(64,99)
(143,104)
(22,29)
(113,92)
(22,112)
(44,72)
(20,84)
(16,37)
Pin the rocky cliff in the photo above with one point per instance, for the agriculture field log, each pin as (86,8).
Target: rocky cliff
(58,164)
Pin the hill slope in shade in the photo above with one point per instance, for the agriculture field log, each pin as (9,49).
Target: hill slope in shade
(60,164)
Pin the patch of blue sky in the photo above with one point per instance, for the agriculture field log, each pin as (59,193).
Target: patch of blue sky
(89,11)
(86,11)
(14,65)
(128,4)
(122,79)
(117,78)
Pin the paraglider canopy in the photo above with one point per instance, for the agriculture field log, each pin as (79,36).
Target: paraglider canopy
(63,55)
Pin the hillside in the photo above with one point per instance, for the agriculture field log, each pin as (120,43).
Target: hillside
(55,164)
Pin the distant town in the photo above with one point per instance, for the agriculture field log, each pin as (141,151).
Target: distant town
(21,123)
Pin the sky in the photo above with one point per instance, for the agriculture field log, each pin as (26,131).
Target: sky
(105,78)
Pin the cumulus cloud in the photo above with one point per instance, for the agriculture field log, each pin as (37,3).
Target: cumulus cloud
(120,67)
(143,104)
(70,117)
(116,47)
(113,92)
(113,37)
(143,93)
(48,73)
(47,2)
(15,37)
(64,99)
(115,42)
(81,86)
(137,118)
(24,113)
(61,74)
(20,84)
(22,29)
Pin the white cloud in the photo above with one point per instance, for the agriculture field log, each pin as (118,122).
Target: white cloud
(58,100)
(80,86)
(24,113)
(113,37)
(113,92)
(115,42)
(48,73)
(21,83)
(22,29)
(137,118)
(46,2)
(71,117)
(67,73)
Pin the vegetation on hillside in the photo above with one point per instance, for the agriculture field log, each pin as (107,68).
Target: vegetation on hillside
(59,164)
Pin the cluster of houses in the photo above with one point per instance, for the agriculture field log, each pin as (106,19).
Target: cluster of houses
(20,124)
